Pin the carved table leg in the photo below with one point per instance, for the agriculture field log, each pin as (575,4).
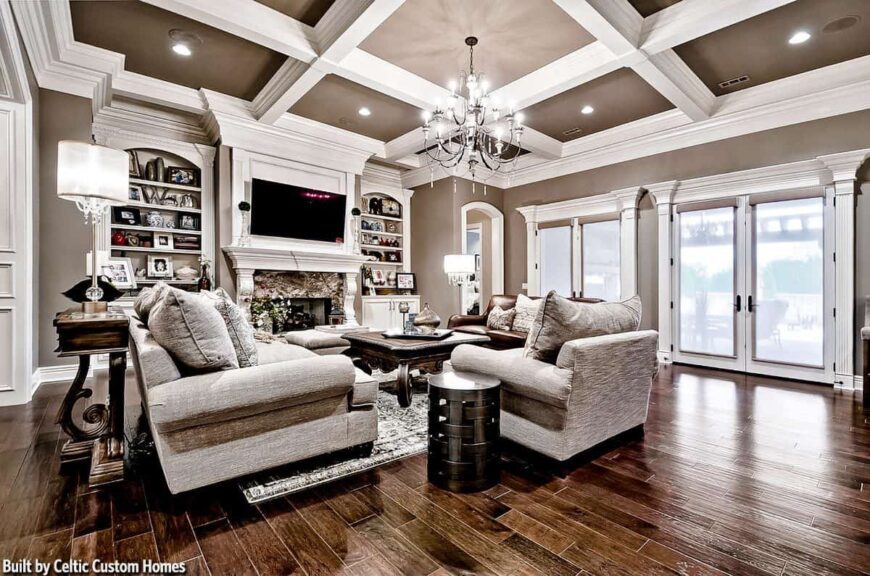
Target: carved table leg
(403,385)
(81,441)
(107,462)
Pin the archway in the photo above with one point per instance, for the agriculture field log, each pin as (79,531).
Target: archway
(490,221)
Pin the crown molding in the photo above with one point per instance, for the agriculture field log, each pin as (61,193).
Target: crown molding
(844,166)
(381,176)
(662,192)
(598,205)
(14,84)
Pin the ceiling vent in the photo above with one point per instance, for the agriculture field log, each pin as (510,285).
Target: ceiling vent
(734,81)
(572,131)
(840,24)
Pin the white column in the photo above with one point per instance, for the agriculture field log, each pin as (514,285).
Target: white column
(663,195)
(245,290)
(533,272)
(576,257)
(844,168)
(626,203)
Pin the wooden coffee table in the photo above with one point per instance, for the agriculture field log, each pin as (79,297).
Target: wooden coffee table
(371,350)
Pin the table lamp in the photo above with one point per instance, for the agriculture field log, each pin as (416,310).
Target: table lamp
(94,177)
(459,268)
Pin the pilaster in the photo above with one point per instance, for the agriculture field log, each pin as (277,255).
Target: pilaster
(663,196)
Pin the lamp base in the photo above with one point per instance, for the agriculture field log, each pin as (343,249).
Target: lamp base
(98,307)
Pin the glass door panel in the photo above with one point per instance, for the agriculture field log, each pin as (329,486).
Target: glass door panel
(601,260)
(556,260)
(787,311)
(707,281)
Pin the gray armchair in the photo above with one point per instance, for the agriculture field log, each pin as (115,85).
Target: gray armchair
(598,388)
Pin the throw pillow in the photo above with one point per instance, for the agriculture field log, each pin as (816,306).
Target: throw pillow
(499,319)
(147,299)
(192,331)
(560,320)
(526,310)
(240,330)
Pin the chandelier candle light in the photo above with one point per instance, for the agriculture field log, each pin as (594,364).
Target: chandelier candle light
(94,177)
(472,128)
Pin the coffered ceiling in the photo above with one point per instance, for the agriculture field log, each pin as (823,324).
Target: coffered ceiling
(427,38)
(306,11)
(337,102)
(648,69)
(758,48)
(223,62)
(617,98)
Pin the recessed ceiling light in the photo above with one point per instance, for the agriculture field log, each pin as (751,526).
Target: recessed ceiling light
(365,111)
(587,109)
(181,49)
(799,37)
(183,42)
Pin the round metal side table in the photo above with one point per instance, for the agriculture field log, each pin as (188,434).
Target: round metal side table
(464,453)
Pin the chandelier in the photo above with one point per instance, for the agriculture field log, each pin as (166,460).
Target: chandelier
(472,129)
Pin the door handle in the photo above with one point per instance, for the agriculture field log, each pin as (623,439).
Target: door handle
(738,305)
(749,306)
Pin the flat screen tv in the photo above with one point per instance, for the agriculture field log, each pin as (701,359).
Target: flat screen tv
(288,211)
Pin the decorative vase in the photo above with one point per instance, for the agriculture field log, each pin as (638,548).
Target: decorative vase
(151,170)
(427,320)
(204,279)
(119,238)
(160,169)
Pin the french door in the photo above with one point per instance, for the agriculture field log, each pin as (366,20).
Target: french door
(753,282)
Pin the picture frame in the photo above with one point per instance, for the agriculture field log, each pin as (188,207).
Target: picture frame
(120,272)
(188,222)
(183,176)
(379,279)
(135,193)
(163,241)
(126,215)
(134,169)
(406,281)
(160,266)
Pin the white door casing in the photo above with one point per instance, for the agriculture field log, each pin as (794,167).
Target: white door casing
(497,217)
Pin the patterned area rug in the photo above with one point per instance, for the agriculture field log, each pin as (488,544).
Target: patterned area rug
(401,432)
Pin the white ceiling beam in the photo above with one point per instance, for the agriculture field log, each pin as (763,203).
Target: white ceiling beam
(252,21)
(339,31)
(578,67)
(667,73)
(690,19)
(615,23)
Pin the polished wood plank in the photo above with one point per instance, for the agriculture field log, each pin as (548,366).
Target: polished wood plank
(97,545)
(344,541)
(395,547)
(222,551)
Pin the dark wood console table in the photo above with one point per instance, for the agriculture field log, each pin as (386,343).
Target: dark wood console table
(371,350)
(101,439)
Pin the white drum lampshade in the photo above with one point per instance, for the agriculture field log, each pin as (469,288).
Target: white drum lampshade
(92,176)
(459,268)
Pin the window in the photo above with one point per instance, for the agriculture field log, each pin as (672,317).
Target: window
(556,260)
(601,260)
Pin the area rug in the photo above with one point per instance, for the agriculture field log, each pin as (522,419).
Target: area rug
(401,433)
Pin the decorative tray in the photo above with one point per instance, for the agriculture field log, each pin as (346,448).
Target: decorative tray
(437,335)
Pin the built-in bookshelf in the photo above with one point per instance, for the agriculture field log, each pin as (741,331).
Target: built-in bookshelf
(383,236)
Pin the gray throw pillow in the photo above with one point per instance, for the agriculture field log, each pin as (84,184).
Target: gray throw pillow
(560,320)
(240,330)
(192,331)
(526,311)
(147,299)
(499,319)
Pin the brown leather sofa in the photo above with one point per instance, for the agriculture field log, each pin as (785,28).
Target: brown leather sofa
(499,339)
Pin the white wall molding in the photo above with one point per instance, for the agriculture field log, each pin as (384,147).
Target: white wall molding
(497,218)
(663,195)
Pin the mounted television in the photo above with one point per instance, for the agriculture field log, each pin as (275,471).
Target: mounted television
(288,211)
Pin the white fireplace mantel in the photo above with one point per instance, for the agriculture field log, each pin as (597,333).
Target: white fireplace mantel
(247,259)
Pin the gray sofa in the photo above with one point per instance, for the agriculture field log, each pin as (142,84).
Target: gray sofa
(599,387)
(213,427)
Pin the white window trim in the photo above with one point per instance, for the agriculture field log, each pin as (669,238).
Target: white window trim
(837,171)
(622,202)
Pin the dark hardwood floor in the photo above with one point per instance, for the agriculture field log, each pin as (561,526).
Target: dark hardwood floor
(735,474)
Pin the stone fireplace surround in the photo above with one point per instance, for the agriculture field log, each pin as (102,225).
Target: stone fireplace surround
(317,274)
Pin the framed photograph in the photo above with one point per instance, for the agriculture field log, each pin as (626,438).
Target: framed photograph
(136,193)
(163,241)
(188,222)
(391,207)
(134,169)
(127,215)
(183,176)
(379,278)
(159,266)
(120,272)
(406,281)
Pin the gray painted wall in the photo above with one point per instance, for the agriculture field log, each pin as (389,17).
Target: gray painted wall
(64,239)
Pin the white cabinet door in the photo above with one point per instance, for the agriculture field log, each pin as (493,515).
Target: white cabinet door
(378,314)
